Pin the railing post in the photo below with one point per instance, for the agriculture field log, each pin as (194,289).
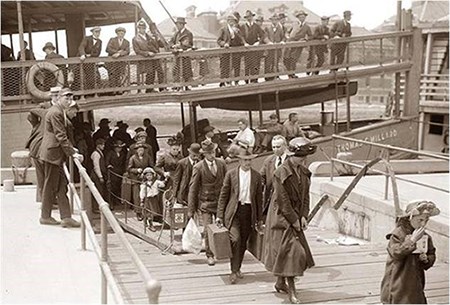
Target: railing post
(104,257)
(386,182)
(332,157)
(71,174)
(83,209)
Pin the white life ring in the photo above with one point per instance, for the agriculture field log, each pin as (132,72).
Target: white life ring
(35,91)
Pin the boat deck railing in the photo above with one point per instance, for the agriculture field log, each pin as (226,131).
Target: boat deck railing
(385,152)
(27,81)
(434,88)
(152,287)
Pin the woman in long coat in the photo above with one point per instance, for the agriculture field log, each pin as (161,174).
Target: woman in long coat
(287,253)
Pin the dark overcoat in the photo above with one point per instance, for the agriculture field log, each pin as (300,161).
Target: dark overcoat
(229,197)
(225,37)
(181,180)
(267,180)
(88,47)
(287,252)
(204,188)
(275,34)
(113,47)
(404,278)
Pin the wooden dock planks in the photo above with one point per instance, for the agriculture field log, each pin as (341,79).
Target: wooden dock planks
(342,274)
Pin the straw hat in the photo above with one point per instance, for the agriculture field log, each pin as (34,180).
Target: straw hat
(300,147)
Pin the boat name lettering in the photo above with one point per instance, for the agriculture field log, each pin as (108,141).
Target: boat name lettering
(379,137)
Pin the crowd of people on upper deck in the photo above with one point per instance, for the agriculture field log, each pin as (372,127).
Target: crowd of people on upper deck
(236,32)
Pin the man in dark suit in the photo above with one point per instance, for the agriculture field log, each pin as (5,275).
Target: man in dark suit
(301,31)
(117,47)
(253,36)
(90,46)
(275,34)
(182,40)
(49,50)
(29,55)
(271,163)
(322,33)
(341,29)
(230,36)
(147,45)
(183,174)
(239,208)
(152,136)
(204,189)
(208,134)
(55,148)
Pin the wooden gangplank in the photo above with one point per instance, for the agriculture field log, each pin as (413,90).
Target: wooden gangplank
(343,274)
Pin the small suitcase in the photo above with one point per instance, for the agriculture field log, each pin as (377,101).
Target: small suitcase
(255,244)
(219,241)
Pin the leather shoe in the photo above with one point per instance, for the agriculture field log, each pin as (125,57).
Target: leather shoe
(211,261)
(239,274)
(233,278)
(282,288)
(48,221)
(70,223)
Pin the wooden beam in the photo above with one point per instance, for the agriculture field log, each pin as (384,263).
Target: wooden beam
(73,9)
(412,78)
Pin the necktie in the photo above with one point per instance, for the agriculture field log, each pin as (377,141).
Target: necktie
(279,162)
(213,168)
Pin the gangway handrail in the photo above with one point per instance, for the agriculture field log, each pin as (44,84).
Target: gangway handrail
(152,286)
(390,147)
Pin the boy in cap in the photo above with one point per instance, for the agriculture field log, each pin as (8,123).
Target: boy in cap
(341,29)
(117,47)
(321,33)
(147,45)
(182,40)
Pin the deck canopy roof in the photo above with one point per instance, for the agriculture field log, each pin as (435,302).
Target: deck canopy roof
(51,15)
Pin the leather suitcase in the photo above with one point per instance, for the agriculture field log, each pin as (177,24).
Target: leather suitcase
(255,245)
(219,241)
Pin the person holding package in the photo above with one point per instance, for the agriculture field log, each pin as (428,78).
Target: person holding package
(287,253)
(410,253)
(204,189)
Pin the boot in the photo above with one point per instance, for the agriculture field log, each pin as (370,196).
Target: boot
(280,285)
(292,291)
(150,225)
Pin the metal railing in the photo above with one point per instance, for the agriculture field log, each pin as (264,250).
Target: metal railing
(387,152)
(135,74)
(434,87)
(152,286)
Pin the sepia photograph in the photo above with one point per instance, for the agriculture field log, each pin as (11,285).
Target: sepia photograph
(224,152)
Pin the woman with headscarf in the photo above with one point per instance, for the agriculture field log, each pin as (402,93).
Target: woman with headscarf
(287,253)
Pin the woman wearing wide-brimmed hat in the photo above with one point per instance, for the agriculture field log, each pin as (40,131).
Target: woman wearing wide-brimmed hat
(169,159)
(287,253)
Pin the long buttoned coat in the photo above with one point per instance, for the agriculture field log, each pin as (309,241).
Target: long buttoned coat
(229,197)
(287,252)
(267,176)
(181,180)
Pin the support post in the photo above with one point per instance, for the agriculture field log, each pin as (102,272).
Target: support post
(30,38)
(399,53)
(56,41)
(260,109)
(412,77)
(386,183)
(20,24)
(250,119)
(104,258)
(83,209)
(71,174)
(192,122)
(277,105)
(332,157)
(183,123)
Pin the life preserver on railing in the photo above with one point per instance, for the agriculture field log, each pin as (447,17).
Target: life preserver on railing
(31,74)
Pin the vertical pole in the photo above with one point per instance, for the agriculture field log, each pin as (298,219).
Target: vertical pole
(83,210)
(260,109)
(136,19)
(20,24)
(386,183)
(336,118)
(56,41)
(183,123)
(332,157)
(250,119)
(420,136)
(71,175)
(277,105)
(30,39)
(192,122)
(347,95)
(399,53)
(11,43)
(104,257)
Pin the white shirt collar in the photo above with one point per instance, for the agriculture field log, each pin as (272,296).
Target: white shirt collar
(192,161)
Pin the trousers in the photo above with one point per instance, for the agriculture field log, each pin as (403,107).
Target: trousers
(240,230)
(54,190)
(207,218)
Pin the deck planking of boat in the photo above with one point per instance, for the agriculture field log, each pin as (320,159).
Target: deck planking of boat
(343,274)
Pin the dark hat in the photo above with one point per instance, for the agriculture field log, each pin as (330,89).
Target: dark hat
(181,20)
(95,28)
(48,45)
(346,13)
(141,24)
(232,17)
(194,149)
(118,143)
(301,12)
(121,29)
(119,123)
(208,129)
(281,15)
(325,18)
(249,13)
(246,155)
(104,121)
(100,141)
(275,17)
(65,91)
(173,141)
(259,18)
(208,146)
(237,15)
(301,147)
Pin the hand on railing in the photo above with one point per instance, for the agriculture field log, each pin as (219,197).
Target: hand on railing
(78,156)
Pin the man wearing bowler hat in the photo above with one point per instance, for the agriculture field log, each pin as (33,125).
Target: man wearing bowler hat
(183,174)
(301,31)
(182,40)
(341,29)
(253,36)
(90,46)
(147,45)
(239,208)
(117,47)
(204,189)
(321,33)
(49,50)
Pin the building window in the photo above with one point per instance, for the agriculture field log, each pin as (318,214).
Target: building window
(381,99)
(368,99)
(436,129)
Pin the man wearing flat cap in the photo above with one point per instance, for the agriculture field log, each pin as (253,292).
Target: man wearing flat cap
(183,174)
(90,46)
(253,35)
(240,209)
(182,40)
(275,34)
(321,33)
(147,45)
(204,189)
(230,35)
(288,211)
(54,150)
(341,29)
(117,47)
(301,31)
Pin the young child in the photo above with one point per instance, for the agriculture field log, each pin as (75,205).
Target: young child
(149,191)
(410,253)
